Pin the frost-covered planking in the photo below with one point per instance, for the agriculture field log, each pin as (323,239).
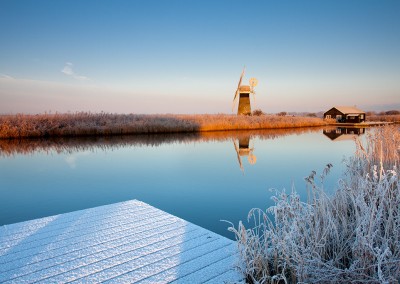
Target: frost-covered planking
(124,242)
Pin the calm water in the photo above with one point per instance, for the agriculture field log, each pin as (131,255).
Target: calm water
(200,178)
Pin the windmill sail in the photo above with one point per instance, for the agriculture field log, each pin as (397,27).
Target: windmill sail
(238,155)
(237,90)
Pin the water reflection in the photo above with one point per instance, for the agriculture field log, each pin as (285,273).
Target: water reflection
(243,149)
(343,133)
(11,147)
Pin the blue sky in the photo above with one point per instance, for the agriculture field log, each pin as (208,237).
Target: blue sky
(186,56)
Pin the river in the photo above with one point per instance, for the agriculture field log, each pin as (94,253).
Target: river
(201,177)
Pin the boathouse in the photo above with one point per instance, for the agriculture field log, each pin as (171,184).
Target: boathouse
(344,114)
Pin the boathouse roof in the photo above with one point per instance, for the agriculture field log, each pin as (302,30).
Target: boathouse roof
(348,110)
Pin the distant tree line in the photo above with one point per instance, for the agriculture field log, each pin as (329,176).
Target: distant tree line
(389,112)
(388,116)
(259,112)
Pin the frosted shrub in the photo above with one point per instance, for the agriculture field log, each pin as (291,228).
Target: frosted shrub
(352,236)
(257,112)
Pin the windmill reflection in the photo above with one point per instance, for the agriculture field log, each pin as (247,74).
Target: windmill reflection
(242,147)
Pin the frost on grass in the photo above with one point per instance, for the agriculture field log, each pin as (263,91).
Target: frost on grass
(350,237)
(107,124)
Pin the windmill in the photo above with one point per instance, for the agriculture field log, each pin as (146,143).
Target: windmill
(243,92)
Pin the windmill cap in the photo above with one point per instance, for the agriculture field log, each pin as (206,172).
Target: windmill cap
(244,89)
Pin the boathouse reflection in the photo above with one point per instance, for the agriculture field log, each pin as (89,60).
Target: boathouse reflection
(243,149)
(343,133)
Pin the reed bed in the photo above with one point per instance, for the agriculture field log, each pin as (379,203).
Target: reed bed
(350,237)
(385,118)
(90,124)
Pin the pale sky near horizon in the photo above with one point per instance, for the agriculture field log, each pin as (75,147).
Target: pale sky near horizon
(186,56)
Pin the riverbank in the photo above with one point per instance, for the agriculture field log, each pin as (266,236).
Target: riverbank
(104,124)
(353,234)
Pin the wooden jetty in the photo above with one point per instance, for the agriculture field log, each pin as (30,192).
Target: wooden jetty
(361,124)
(127,242)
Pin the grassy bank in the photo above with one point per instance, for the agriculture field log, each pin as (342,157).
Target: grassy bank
(350,237)
(88,124)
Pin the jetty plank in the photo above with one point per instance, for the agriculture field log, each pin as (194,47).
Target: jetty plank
(126,242)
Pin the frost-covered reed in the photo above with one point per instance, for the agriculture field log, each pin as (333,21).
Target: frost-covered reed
(90,124)
(350,237)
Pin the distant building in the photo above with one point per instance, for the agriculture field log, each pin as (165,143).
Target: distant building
(345,114)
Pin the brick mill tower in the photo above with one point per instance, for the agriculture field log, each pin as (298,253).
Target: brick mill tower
(243,92)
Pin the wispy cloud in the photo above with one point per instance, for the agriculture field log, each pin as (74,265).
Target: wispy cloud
(5,76)
(72,159)
(67,70)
